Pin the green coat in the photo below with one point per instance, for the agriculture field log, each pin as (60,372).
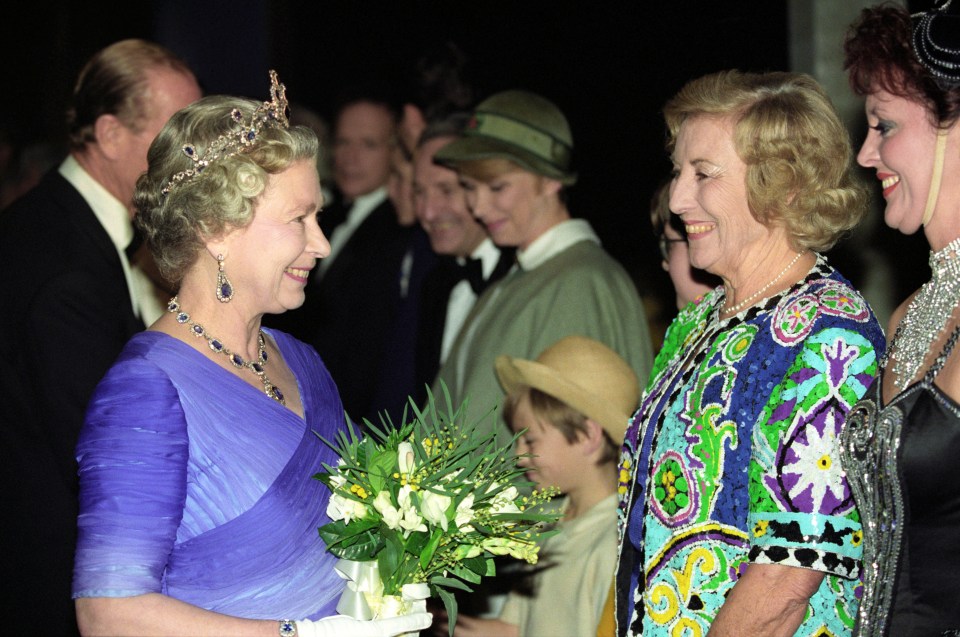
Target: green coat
(581,290)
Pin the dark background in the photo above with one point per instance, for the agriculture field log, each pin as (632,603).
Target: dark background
(608,65)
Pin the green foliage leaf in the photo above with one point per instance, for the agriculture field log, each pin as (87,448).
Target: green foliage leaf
(450,605)
(366,545)
(382,464)
(450,582)
(415,544)
(389,560)
(490,566)
(431,548)
(466,572)
(391,554)
(340,532)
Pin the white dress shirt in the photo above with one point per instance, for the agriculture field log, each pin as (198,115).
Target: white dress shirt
(462,297)
(554,241)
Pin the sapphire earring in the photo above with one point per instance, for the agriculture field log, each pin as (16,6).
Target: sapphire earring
(224,287)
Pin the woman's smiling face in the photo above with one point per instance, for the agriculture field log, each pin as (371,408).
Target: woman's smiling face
(269,261)
(709,193)
(514,206)
(900,146)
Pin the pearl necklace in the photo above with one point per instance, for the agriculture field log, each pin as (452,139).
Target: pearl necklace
(926,315)
(750,299)
(217,345)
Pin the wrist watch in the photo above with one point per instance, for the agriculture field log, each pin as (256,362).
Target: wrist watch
(288,628)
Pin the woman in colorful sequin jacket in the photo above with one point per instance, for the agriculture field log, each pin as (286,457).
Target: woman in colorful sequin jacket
(735,516)
(902,442)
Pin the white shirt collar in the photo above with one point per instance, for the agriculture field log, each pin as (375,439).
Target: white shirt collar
(364,204)
(360,209)
(113,215)
(554,241)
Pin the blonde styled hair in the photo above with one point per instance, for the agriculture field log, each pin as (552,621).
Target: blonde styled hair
(796,149)
(175,225)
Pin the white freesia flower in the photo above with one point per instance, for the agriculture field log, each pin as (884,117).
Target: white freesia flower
(411,520)
(434,508)
(337,479)
(506,546)
(465,552)
(403,517)
(406,458)
(505,502)
(384,506)
(455,474)
(346,509)
(464,514)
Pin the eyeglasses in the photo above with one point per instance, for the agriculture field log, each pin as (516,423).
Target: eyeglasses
(665,246)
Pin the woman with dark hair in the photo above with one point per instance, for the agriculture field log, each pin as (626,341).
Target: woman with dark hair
(901,442)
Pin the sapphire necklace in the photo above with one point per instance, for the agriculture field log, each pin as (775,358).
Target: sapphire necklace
(236,360)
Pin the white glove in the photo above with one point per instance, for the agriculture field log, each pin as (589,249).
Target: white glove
(343,626)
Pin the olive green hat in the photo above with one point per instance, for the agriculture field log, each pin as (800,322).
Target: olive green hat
(520,126)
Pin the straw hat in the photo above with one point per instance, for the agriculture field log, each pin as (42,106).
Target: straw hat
(583,373)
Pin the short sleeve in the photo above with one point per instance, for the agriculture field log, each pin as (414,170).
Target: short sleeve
(801,509)
(511,613)
(132,456)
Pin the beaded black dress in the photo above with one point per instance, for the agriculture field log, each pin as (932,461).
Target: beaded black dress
(901,461)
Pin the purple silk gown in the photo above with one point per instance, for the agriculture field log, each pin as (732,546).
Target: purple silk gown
(197,485)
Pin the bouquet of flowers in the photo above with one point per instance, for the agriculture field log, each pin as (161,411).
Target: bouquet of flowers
(424,508)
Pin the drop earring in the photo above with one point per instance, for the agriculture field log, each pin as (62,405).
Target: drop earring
(224,287)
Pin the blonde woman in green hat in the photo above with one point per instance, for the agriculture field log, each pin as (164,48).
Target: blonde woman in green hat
(514,162)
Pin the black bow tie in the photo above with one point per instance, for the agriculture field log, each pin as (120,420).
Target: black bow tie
(472,271)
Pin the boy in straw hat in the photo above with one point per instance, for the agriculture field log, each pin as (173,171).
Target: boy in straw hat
(572,405)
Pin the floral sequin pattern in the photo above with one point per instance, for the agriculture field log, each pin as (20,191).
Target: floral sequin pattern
(833,371)
(734,457)
(793,320)
(672,495)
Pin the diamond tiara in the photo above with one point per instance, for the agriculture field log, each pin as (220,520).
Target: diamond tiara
(270,114)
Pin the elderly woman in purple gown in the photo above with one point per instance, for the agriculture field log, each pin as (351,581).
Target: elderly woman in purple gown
(198,511)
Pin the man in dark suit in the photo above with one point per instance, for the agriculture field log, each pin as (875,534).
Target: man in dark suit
(69,309)
(351,301)
(470,260)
